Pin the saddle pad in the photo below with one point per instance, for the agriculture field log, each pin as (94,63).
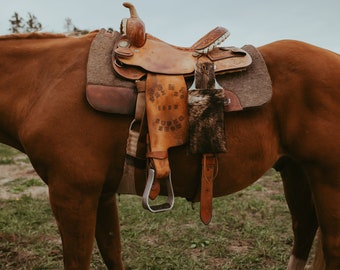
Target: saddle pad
(106,92)
(252,86)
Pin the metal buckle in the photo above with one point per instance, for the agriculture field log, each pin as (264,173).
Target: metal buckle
(159,207)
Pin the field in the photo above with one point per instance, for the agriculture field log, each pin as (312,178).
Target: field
(249,230)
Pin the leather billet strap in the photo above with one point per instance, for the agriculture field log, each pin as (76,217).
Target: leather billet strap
(209,172)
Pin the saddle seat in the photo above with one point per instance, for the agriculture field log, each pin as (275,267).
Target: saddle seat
(138,53)
(157,56)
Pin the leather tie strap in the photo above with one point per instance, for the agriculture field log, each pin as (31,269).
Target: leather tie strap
(209,163)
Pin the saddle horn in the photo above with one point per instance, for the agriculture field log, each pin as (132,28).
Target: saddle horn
(133,27)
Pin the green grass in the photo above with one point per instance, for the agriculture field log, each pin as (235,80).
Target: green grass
(28,237)
(249,230)
(6,151)
(19,185)
(6,155)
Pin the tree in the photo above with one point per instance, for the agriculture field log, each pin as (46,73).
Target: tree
(32,24)
(19,25)
(72,29)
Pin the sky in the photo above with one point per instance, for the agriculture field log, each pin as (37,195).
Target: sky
(182,22)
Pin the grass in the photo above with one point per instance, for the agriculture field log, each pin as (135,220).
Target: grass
(28,238)
(8,155)
(19,185)
(249,230)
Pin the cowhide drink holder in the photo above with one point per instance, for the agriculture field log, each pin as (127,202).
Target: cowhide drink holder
(206,121)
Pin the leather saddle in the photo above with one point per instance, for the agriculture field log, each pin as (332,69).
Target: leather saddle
(157,56)
(160,71)
(138,53)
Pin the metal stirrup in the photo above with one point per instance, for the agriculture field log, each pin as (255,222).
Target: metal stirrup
(160,207)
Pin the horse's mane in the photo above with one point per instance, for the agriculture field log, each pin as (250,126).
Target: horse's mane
(33,35)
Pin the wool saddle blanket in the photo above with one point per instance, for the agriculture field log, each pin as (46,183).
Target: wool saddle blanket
(251,87)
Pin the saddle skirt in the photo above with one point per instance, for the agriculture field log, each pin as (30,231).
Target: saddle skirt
(107,91)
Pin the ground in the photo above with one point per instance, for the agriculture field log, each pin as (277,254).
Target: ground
(18,178)
(249,230)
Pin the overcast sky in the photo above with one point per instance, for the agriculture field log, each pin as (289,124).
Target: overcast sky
(182,22)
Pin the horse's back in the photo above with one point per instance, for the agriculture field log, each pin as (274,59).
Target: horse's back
(291,57)
(306,98)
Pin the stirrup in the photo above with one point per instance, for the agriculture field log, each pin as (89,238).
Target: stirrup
(160,207)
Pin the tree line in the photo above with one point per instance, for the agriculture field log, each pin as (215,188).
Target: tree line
(18,24)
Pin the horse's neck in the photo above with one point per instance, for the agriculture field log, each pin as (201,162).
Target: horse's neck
(14,94)
(31,70)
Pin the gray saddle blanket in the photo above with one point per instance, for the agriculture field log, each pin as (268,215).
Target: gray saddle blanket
(252,87)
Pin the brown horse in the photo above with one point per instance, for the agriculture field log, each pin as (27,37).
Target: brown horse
(79,152)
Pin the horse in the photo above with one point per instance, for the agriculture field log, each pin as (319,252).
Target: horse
(79,152)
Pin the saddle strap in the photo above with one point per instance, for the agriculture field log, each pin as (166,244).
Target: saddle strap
(209,164)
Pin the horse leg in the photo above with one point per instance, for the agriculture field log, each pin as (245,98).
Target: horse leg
(75,209)
(304,220)
(326,190)
(108,232)
(319,259)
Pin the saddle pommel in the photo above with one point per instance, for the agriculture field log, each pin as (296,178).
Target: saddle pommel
(133,27)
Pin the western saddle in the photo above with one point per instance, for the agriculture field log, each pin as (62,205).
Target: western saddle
(167,112)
